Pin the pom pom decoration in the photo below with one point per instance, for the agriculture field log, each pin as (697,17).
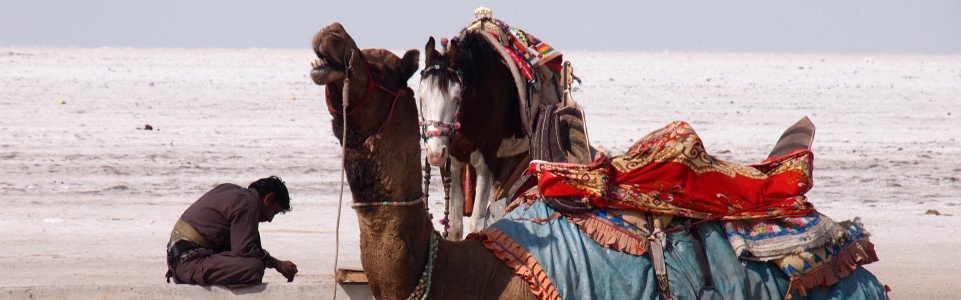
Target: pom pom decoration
(483,13)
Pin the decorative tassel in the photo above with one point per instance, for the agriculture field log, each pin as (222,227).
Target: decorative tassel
(483,13)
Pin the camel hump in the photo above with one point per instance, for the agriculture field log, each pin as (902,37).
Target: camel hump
(798,136)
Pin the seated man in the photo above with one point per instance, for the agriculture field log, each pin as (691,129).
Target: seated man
(216,241)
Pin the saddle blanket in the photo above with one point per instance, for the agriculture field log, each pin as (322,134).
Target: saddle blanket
(526,50)
(559,261)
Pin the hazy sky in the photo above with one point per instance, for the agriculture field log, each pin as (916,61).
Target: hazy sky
(831,26)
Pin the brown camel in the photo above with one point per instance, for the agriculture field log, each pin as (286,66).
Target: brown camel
(383,164)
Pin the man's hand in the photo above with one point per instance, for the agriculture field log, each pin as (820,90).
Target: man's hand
(287,268)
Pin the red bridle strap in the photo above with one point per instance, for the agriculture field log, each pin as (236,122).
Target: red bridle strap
(371,86)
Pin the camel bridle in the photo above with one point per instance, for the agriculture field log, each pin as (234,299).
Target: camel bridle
(422,289)
(371,86)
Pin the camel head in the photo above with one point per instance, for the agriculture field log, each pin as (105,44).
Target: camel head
(331,45)
(377,76)
(440,95)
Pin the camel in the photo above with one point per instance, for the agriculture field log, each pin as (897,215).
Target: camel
(404,257)
(383,166)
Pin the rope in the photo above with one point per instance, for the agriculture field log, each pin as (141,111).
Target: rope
(446,180)
(343,163)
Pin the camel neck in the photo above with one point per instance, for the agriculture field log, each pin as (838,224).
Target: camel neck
(394,240)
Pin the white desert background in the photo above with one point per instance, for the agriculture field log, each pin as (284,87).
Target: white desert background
(89,198)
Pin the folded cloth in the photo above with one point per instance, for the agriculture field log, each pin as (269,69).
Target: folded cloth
(769,239)
(828,264)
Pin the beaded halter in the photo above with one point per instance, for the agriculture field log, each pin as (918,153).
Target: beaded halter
(443,128)
(387,203)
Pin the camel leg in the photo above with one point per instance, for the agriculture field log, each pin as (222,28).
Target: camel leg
(456,216)
(483,188)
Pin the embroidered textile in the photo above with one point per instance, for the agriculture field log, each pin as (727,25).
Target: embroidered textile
(669,172)
(769,239)
(800,263)
(523,44)
(534,65)
(527,52)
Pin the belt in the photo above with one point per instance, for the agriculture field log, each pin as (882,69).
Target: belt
(184,243)
(178,252)
(182,230)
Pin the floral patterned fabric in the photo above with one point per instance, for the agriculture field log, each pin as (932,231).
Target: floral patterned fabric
(669,172)
(769,239)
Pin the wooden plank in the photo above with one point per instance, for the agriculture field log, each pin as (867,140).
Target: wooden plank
(351,276)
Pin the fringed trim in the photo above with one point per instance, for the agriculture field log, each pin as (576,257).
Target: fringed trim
(528,197)
(860,252)
(524,265)
(609,235)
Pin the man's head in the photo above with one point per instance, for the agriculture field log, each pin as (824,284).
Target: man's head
(274,198)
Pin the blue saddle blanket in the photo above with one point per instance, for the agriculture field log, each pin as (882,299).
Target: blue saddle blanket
(577,267)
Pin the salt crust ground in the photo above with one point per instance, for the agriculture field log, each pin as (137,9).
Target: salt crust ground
(89,199)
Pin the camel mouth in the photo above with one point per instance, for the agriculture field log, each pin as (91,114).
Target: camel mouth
(323,72)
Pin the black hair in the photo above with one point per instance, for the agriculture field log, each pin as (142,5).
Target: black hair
(472,50)
(273,184)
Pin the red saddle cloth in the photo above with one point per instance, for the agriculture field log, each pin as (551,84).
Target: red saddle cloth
(669,172)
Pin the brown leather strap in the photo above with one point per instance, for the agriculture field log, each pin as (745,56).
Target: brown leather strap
(707,290)
(656,253)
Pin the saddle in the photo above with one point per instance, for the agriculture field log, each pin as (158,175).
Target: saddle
(561,136)
(797,137)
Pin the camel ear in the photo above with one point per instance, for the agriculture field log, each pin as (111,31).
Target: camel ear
(409,64)
(429,51)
